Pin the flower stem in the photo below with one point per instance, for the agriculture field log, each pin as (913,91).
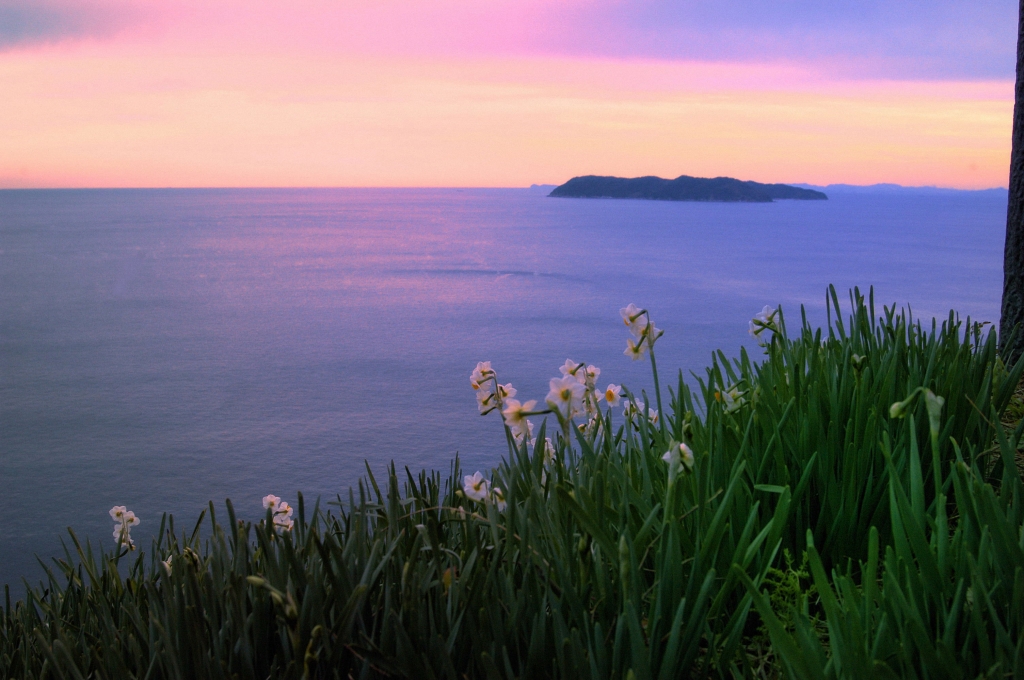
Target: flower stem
(657,394)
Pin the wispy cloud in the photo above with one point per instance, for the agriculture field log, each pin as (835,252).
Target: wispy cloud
(25,23)
(847,39)
(898,39)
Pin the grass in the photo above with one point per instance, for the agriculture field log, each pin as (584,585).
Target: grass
(815,535)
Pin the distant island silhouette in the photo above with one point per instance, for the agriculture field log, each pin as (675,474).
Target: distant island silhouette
(682,188)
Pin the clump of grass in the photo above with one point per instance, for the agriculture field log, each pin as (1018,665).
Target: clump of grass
(637,545)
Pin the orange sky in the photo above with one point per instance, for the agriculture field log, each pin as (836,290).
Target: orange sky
(156,103)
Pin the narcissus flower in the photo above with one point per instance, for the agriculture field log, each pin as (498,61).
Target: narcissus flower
(549,451)
(475,487)
(515,417)
(636,407)
(565,396)
(123,537)
(281,511)
(481,373)
(498,498)
(635,350)
(635,319)
(612,394)
(733,399)
(515,413)
(527,432)
(764,321)
(486,401)
(680,454)
(572,368)
(124,521)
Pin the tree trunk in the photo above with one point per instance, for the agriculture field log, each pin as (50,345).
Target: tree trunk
(1013,255)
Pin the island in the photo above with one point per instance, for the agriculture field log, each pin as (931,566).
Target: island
(682,188)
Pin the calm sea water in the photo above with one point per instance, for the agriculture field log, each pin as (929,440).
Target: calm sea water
(161,348)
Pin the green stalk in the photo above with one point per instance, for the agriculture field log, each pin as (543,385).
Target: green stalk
(657,395)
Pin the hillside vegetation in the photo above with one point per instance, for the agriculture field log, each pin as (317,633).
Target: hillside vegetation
(845,505)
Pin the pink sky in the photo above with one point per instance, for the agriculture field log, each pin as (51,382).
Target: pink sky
(491,93)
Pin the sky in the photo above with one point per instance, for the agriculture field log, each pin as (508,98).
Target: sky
(503,93)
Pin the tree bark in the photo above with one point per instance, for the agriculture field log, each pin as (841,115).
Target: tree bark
(1013,254)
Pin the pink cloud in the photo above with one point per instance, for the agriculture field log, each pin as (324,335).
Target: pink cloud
(874,39)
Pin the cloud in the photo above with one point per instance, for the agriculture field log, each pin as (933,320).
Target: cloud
(24,23)
(839,39)
(891,39)
(878,39)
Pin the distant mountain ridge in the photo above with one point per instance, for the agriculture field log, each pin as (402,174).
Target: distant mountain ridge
(683,188)
(888,188)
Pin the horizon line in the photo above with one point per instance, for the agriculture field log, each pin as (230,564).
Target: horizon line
(461,188)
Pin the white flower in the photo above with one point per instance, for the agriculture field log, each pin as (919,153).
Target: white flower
(636,407)
(566,396)
(515,412)
(481,373)
(282,513)
(732,398)
(523,430)
(475,487)
(517,422)
(498,498)
(591,376)
(767,316)
(635,350)
(636,319)
(124,520)
(679,454)
(123,536)
(167,564)
(764,321)
(549,451)
(590,426)
(572,368)
(486,401)
(687,455)
(612,394)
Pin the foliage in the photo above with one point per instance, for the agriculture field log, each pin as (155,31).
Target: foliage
(945,601)
(600,560)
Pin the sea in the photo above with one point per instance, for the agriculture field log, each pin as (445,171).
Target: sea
(161,349)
